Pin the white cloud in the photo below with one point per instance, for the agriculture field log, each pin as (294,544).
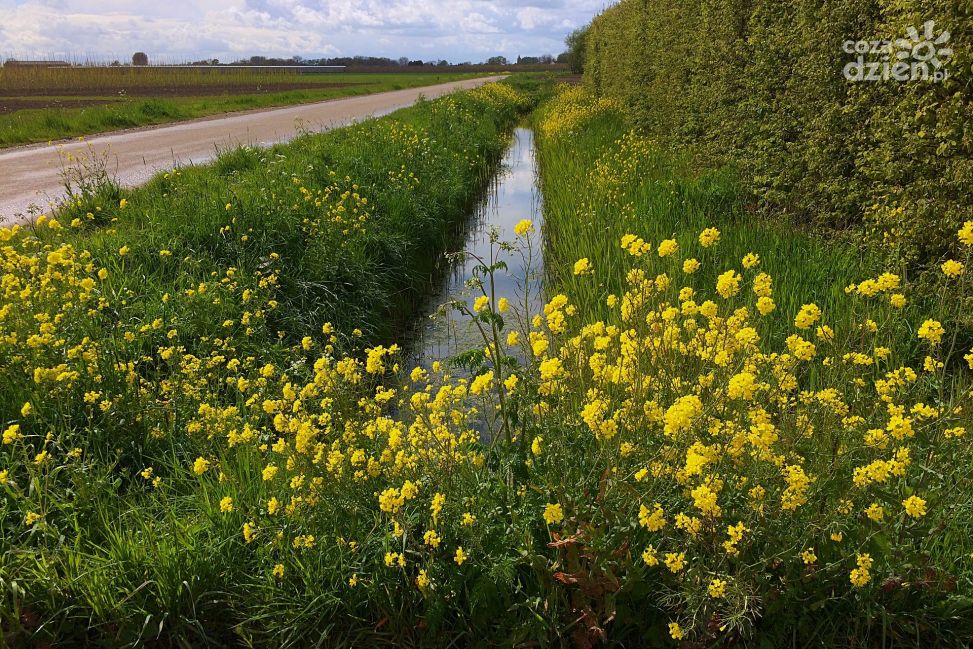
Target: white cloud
(174,30)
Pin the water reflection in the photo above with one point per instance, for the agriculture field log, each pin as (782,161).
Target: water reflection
(513,196)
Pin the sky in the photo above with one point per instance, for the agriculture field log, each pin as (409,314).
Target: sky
(174,31)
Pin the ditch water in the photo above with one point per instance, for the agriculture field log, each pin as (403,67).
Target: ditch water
(441,333)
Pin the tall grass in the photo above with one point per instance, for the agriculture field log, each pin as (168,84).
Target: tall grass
(611,181)
(622,215)
(235,262)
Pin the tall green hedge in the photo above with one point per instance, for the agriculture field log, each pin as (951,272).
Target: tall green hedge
(759,84)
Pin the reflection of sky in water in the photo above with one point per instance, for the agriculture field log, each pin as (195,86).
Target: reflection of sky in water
(512,196)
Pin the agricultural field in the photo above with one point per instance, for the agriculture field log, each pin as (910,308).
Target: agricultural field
(42,104)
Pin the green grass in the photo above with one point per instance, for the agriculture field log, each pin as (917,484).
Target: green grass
(656,192)
(42,125)
(665,196)
(257,260)
(116,563)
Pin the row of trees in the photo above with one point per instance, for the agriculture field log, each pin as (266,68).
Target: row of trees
(378,61)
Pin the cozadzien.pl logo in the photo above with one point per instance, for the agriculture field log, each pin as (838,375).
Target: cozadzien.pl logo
(920,56)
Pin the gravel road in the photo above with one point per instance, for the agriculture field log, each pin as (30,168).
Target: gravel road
(31,175)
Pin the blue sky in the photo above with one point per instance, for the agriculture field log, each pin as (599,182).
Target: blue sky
(177,30)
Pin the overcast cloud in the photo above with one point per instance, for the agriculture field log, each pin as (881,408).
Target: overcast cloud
(178,30)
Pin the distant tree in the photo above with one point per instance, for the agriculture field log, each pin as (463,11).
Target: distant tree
(417,62)
(576,46)
(403,60)
(115,64)
(140,58)
(564,57)
(545,58)
(497,60)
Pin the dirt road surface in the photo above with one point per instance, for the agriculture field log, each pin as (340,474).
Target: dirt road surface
(31,176)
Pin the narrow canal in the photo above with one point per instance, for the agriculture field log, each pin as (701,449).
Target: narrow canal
(513,195)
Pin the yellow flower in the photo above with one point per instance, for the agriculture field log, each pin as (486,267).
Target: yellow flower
(201,465)
(583,267)
(875,512)
(31,518)
(728,284)
(431,538)
(122,204)
(675,561)
(914,506)
(536,446)
(353,580)
(249,532)
(124,250)
(751,260)
(460,556)
(807,316)
(709,237)
(965,234)
(482,383)
(675,631)
(668,247)
(952,268)
(897,300)
(279,570)
(932,331)
(717,588)
(765,305)
(553,514)
(742,386)
(226,505)
(12,434)
(26,410)
(423,581)
(690,266)
(808,556)
(481,303)
(436,506)
(523,227)
(860,576)
(502,305)
(650,557)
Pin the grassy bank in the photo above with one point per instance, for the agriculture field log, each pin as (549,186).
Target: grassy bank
(773,404)
(144,106)
(137,331)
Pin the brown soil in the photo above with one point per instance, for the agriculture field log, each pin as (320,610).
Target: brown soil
(8,105)
(171,91)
